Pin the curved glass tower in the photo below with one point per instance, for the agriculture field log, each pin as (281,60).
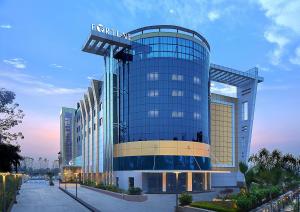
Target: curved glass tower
(164,101)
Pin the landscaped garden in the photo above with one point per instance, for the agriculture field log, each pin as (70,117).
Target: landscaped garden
(113,188)
(271,175)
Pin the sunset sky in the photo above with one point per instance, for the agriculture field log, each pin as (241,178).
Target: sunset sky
(42,62)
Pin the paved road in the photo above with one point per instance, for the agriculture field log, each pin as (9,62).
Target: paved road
(38,196)
(155,202)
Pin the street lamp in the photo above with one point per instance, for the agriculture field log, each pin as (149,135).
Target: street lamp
(16,185)
(65,177)
(3,181)
(76,175)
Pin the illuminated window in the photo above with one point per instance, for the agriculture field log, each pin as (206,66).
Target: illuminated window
(153,113)
(177,77)
(196,97)
(245,111)
(152,76)
(153,93)
(177,93)
(177,114)
(197,80)
(197,116)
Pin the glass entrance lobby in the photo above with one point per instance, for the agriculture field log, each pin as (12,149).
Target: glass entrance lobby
(171,182)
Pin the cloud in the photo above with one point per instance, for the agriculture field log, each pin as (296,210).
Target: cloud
(5,26)
(262,68)
(19,63)
(90,77)
(29,84)
(263,87)
(213,15)
(223,89)
(54,65)
(191,15)
(296,59)
(285,25)
(281,41)
(283,13)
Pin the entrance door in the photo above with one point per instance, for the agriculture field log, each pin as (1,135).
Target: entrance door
(154,182)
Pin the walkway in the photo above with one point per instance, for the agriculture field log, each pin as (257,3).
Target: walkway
(38,196)
(155,202)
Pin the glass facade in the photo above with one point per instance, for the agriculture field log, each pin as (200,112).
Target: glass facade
(164,91)
(161,162)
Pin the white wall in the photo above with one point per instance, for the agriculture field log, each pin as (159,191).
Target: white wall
(124,181)
(224,179)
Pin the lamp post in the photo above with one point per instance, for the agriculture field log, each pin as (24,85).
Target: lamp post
(16,186)
(65,177)
(4,187)
(76,175)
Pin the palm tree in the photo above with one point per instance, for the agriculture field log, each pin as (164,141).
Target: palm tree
(243,169)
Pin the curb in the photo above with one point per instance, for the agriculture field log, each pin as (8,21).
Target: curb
(85,204)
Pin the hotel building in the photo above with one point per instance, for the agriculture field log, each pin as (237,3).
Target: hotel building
(152,119)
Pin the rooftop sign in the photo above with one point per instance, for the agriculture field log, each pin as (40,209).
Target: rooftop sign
(110,31)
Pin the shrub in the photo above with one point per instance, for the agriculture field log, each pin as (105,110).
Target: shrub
(134,191)
(244,203)
(101,186)
(185,199)
(112,188)
(215,206)
(275,191)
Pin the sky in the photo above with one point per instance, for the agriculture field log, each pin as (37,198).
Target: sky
(42,62)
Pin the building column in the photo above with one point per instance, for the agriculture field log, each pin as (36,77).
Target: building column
(164,182)
(189,185)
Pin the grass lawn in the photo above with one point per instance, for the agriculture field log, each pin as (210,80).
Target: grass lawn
(215,206)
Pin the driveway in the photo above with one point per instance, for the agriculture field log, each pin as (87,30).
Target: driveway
(38,196)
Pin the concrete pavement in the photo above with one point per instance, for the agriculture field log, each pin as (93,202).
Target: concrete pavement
(38,196)
(155,202)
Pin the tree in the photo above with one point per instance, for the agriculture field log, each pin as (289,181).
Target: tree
(10,116)
(9,157)
(243,169)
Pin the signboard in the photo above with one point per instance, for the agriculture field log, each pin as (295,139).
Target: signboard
(110,31)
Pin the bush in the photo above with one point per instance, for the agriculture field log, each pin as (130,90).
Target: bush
(101,186)
(185,199)
(244,203)
(112,188)
(220,206)
(134,191)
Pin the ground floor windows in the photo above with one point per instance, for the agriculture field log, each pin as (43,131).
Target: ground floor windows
(167,182)
(117,182)
(130,182)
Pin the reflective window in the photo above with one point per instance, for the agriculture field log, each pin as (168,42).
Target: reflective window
(197,97)
(177,114)
(177,77)
(153,113)
(177,93)
(197,115)
(152,76)
(197,80)
(153,93)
